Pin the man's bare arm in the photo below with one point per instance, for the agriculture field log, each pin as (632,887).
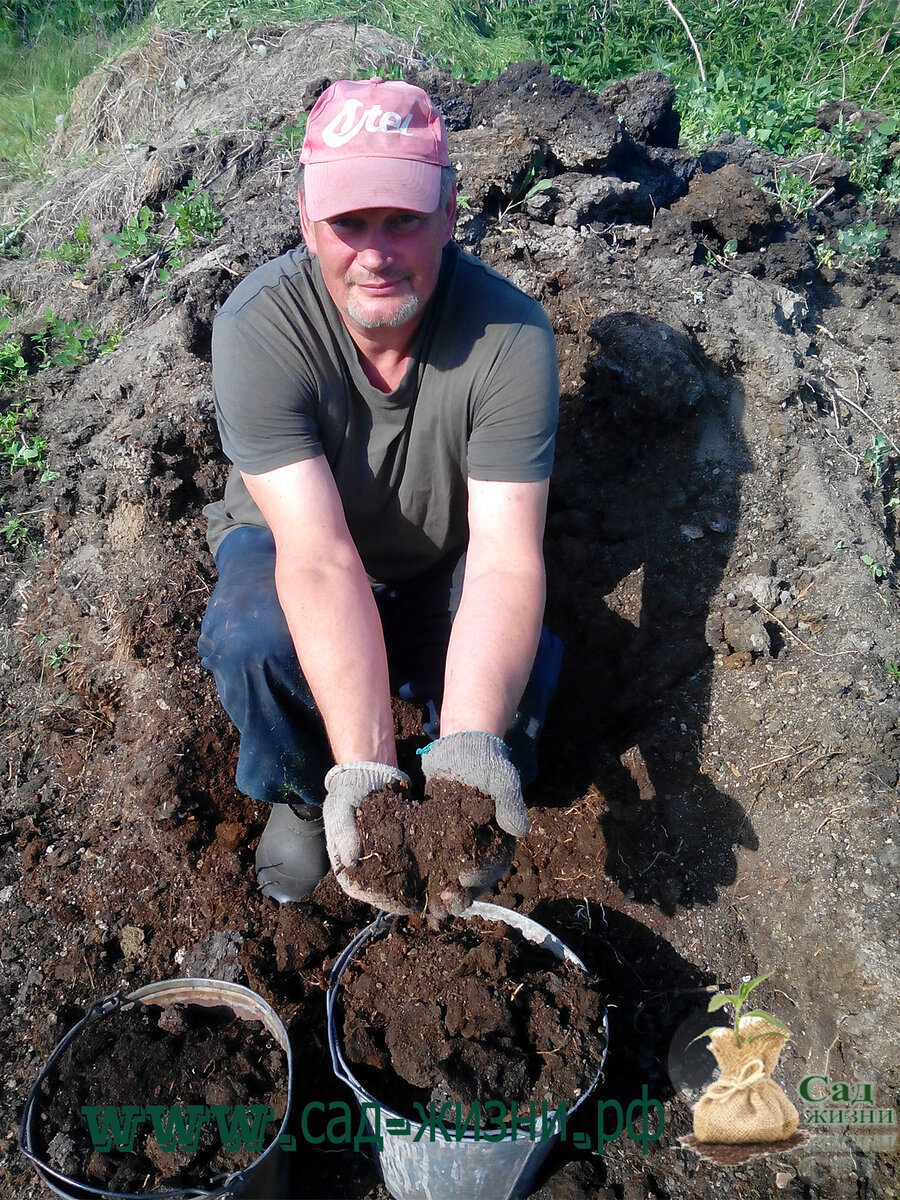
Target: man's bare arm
(329,607)
(498,625)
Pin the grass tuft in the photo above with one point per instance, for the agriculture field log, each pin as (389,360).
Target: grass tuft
(36,85)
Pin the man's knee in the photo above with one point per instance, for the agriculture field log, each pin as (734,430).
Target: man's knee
(244,627)
(241,630)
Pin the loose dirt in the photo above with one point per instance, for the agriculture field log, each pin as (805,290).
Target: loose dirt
(717,793)
(733,1156)
(414,847)
(473,1012)
(146,1055)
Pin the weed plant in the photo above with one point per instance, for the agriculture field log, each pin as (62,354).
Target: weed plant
(878,458)
(76,251)
(12,364)
(877,570)
(193,215)
(136,238)
(192,220)
(795,192)
(888,191)
(59,343)
(11,239)
(57,656)
(861,242)
(22,449)
(16,534)
(61,652)
(876,175)
(778,115)
(64,343)
(290,138)
(869,161)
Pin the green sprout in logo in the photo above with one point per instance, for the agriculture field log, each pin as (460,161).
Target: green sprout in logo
(737,1002)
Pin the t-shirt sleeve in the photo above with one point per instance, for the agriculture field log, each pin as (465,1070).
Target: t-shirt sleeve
(265,401)
(514,420)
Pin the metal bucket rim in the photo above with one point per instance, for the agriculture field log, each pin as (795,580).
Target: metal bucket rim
(244,1002)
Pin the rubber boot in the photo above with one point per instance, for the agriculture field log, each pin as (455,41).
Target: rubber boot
(291,856)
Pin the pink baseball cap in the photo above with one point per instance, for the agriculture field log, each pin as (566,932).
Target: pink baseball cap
(375,143)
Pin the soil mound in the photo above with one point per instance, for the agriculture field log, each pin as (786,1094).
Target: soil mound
(178,1057)
(415,847)
(718,786)
(471,1013)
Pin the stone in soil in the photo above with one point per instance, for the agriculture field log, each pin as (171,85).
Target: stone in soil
(147,1055)
(470,1012)
(414,848)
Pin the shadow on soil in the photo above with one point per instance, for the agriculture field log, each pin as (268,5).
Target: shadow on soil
(644,512)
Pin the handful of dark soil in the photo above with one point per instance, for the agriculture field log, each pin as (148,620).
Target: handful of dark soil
(470,1012)
(414,847)
(185,1054)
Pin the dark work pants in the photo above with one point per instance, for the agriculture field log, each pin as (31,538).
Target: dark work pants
(246,644)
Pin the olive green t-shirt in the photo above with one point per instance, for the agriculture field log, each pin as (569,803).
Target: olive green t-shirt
(479,398)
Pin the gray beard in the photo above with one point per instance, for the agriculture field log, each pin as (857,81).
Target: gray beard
(404,313)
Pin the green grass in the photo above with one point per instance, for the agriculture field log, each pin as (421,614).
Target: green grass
(36,85)
(767,65)
(470,37)
(765,74)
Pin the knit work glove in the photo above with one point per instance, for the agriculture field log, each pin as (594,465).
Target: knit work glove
(347,785)
(481,761)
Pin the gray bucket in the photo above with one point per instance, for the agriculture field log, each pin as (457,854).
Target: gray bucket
(209,993)
(467,1168)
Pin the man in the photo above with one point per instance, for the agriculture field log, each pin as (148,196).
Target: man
(389,405)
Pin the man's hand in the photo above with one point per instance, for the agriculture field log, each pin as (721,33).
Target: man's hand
(481,761)
(347,785)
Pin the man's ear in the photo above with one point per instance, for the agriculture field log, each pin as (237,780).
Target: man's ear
(306,225)
(450,215)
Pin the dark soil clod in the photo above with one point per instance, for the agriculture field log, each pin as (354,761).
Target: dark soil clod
(413,848)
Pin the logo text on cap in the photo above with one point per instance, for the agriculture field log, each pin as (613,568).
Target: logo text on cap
(345,125)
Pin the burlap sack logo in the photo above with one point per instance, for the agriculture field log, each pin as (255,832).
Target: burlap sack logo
(744,1105)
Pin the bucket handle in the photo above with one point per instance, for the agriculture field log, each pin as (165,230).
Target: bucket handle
(341,1070)
(112,1003)
(383,919)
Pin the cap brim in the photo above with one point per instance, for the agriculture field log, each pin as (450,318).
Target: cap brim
(333,188)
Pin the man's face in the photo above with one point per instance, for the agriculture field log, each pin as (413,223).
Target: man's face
(380,265)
